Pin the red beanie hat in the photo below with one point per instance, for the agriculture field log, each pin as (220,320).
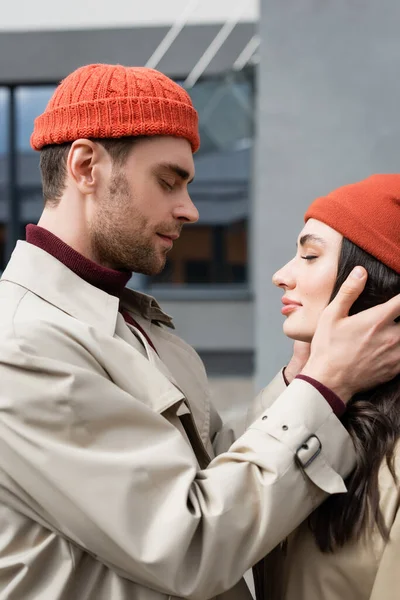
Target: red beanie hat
(112,101)
(367,213)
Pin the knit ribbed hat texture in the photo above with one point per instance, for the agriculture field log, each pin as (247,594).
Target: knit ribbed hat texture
(113,101)
(367,213)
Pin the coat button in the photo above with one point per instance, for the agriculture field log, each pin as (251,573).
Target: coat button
(264,417)
(285,427)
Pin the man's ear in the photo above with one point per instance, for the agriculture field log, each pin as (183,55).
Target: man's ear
(83,161)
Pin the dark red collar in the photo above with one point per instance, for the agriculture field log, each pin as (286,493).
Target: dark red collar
(110,281)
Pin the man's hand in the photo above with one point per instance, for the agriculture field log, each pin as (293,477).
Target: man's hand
(301,354)
(351,354)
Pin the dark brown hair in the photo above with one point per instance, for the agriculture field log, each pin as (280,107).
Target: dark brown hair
(53,163)
(372,419)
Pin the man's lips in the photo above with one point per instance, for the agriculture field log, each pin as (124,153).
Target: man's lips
(168,239)
(169,236)
(289,305)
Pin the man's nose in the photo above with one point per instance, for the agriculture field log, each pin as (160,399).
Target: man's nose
(187,211)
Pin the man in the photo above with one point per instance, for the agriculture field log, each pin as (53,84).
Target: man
(110,487)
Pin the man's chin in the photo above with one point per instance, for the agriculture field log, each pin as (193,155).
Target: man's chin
(151,270)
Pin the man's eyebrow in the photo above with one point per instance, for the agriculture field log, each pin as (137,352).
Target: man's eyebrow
(182,173)
(311,237)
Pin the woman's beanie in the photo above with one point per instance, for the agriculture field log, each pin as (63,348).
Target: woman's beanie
(367,213)
(112,101)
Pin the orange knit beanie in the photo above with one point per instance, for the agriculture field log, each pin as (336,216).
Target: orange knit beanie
(367,213)
(112,101)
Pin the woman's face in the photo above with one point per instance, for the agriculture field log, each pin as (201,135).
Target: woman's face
(308,279)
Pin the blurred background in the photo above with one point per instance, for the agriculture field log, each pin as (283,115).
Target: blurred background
(294,98)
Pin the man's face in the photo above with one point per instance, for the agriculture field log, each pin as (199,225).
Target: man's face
(143,206)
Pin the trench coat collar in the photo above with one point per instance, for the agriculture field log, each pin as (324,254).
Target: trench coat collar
(39,272)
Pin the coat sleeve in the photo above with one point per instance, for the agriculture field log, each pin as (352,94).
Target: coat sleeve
(266,398)
(225,433)
(120,480)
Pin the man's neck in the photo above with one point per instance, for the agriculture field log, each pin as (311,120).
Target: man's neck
(110,281)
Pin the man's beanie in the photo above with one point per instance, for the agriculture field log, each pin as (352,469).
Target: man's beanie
(367,213)
(112,101)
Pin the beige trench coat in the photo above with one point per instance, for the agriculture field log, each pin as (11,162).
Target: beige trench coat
(367,569)
(109,484)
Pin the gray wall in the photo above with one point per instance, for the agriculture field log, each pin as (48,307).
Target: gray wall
(213,325)
(328,114)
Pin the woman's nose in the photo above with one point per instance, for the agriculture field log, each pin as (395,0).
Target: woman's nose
(277,279)
(282,278)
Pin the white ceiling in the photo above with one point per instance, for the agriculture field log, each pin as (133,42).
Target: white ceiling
(28,15)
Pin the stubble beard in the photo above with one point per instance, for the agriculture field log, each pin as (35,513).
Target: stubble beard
(114,244)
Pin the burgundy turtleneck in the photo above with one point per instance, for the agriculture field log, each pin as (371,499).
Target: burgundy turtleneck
(110,281)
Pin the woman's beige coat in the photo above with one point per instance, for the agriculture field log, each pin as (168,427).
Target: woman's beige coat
(109,485)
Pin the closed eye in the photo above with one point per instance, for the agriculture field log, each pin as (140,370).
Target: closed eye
(309,257)
(167,186)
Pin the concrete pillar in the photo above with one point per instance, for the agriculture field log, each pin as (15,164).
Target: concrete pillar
(328,114)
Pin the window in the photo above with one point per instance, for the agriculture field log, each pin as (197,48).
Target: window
(214,251)
(210,253)
(4,190)
(30,101)
(19,172)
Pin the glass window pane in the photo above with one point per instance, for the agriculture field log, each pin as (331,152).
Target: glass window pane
(30,103)
(4,110)
(4,115)
(214,251)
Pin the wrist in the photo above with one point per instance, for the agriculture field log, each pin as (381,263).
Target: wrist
(336,404)
(329,380)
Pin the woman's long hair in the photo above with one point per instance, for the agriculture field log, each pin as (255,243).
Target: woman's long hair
(372,419)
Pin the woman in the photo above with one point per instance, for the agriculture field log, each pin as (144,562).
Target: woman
(349,549)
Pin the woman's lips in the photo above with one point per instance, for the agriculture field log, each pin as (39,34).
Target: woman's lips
(289,306)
